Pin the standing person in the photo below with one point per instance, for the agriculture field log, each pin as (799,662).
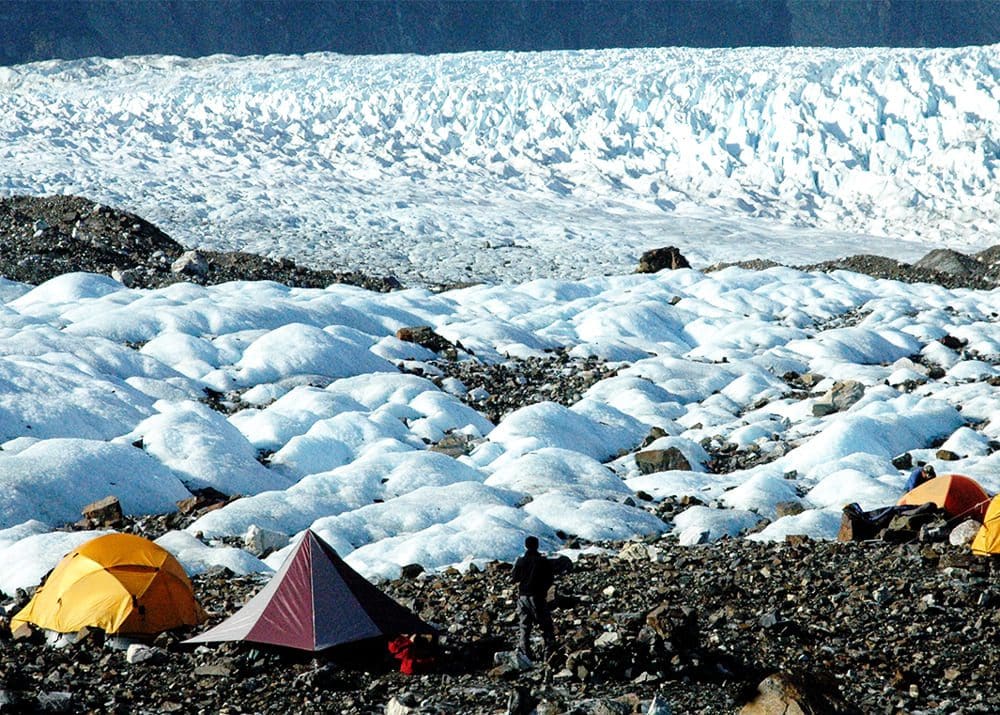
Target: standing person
(533,575)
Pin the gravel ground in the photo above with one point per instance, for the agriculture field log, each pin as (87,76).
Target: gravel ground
(871,627)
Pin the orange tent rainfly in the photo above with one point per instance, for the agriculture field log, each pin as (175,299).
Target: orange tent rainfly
(121,583)
(958,496)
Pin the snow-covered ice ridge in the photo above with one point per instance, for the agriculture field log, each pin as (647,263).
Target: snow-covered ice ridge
(506,166)
(85,413)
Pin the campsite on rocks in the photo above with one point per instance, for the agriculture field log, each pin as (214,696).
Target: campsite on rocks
(296,351)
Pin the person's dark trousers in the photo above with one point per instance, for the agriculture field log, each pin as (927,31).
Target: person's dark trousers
(532,611)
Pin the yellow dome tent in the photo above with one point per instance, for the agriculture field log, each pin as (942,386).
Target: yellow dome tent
(987,539)
(121,583)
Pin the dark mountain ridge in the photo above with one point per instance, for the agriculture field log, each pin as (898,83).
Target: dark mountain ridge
(32,30)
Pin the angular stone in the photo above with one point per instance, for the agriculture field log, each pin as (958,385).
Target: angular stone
(964,533)
(788,508)
(206,500)
(425,336)
(190,263)
(659,259)
(852,526)
(952,342)
(634,551)
(676,625)
(838,398)
(796,694)
(261,542)
(607,706)
(399,705)
(521,702)
(903,461)
(104,512)
(654,434)
(811,379)
(454,445)
(128,278)
(411,571)
(650,461)
(946,260)
(216,670)
(607,639)
(139,653)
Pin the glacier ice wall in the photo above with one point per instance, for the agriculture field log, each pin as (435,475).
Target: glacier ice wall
(388,163)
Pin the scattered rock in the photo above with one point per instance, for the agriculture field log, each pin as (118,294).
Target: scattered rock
(944,260)
(42,237)
(214,670)
(964,533)
(650,461)
(261,542)
(191,263)
(104,512)
(139,653)
(454,445)
(838,398)
(798,693)
(903,461)
(788,508)
(402,705)
(659,259)
(634,551)
(411,571)
(425,336)
(496,389)
(205,500)
(521,702)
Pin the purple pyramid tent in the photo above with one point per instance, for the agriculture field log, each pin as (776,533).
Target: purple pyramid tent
(315,601)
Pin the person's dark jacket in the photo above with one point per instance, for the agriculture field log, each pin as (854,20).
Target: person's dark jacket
(533,574)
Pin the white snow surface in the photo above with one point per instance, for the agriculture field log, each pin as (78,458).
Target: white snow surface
(541,173)
(487,166)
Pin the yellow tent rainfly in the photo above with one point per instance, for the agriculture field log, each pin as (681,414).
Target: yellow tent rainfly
(987,540)
(121,583)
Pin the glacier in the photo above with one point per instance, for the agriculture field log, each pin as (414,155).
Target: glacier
(513,166)
(536,178)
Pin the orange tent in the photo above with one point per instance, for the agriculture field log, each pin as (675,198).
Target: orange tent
(957,495)
(118,582)
(987,540)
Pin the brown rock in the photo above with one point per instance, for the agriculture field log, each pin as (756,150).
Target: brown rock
(104,512)
(788,508)
(205,500)
(676,625)
(661,460)
(454,445)
(796,694)
(425,336)
(659,259)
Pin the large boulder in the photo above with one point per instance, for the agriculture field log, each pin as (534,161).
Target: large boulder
(796,694)
(841,396)
(651,461)
(659,259)
(944,260)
